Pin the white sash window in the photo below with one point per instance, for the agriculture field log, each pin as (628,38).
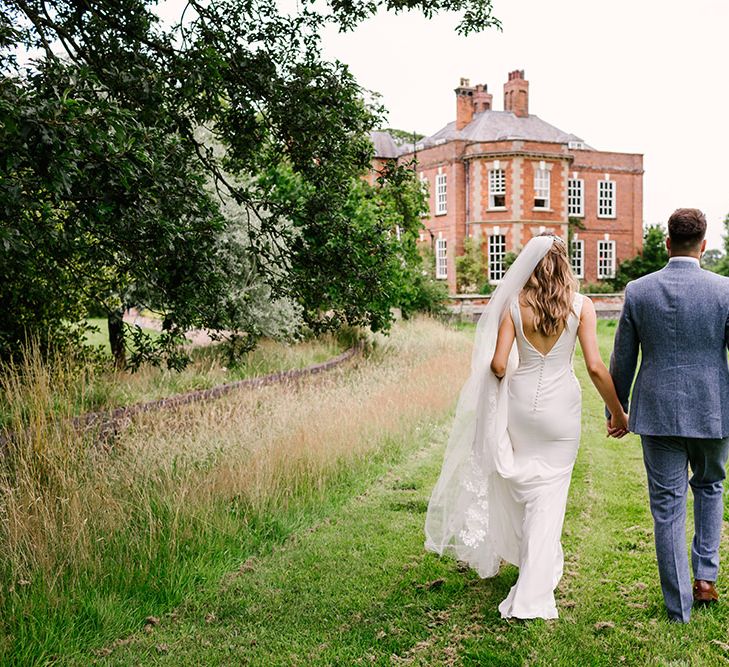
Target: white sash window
(497,188)
(606,199)
(497,252)
(578,257)
(605,259)
(441,259)
(576,197)
(441,194)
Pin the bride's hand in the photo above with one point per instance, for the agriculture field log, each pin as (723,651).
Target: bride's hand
(618,424)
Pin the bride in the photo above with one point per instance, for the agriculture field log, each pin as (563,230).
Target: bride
(502,491)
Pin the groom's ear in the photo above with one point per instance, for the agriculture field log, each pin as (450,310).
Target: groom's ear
(668,244)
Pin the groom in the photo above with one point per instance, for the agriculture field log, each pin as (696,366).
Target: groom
(679,319)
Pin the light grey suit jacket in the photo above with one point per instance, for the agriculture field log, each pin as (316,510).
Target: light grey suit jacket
(678,318)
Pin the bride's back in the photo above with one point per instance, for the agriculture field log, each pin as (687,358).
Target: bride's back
(546,301)
(540,341)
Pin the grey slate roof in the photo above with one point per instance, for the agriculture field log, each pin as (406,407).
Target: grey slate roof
(485,126)
(384,144)
(500,125)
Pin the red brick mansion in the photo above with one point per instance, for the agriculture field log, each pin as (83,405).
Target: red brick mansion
(502,177)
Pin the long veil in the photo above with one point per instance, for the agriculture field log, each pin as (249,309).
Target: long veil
(466,505)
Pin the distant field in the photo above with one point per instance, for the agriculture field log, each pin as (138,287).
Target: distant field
(100,338)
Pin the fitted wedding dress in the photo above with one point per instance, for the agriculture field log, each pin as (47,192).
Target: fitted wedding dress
(502,491)
(543,425)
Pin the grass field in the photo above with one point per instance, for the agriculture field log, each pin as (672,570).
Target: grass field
(94,541)
(103,387)
(338,576)
(99,337)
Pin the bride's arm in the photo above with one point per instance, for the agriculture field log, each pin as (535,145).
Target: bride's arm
(505,340)
(596,368)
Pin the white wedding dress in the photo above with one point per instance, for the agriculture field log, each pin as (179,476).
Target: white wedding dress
(543,425)
(502,491)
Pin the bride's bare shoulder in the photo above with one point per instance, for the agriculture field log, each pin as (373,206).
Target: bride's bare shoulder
(587,309)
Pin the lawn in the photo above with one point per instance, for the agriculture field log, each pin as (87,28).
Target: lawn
(342,578)
(99,336)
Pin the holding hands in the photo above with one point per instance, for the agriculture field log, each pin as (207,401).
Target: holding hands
(617,424)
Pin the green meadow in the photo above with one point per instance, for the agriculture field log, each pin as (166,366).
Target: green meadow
(286,528)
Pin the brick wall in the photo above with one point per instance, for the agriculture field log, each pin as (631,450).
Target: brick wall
(468,213)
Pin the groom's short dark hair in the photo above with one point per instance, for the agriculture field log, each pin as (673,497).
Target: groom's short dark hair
(686,228)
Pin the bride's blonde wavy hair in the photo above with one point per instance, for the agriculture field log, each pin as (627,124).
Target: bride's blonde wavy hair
(551,289)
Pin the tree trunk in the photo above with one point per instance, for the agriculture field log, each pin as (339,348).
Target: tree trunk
(116,338)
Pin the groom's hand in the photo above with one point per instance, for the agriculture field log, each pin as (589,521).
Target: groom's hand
(614,430)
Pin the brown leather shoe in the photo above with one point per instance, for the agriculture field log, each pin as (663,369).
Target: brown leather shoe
(705,593)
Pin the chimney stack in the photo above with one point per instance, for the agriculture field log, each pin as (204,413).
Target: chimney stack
(516,94)
(482,99)
(464,104)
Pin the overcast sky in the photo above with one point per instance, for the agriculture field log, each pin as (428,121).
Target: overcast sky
(642,77)
(638,76)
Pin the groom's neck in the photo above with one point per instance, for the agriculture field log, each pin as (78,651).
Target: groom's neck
(695,255)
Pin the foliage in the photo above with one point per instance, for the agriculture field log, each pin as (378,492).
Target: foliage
(401,202)
(470,269)
(597,288)
(573,224)
(209,545)
(509,259)
(721,264)
(420,291)
(105,389)
(652,258)
(95,539)
(105,186)
(713,259)
(404,136)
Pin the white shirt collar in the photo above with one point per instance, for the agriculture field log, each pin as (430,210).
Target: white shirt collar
(683,258)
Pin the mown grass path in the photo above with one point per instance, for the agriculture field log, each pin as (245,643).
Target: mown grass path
(358,589)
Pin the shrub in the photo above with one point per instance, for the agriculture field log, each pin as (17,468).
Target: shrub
(470,269)
(597,288)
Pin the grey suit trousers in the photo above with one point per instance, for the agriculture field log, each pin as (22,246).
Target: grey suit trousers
(667,460)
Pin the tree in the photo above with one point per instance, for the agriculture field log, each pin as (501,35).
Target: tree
(722,263)
(652,258)
(470,269)
(404,136)
(105,189)
(713,259)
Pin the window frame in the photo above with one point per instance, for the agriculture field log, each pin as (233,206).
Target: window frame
(607,203)
(542,185)
(441,194)
(496,271)
(441,260)
(603,245)
(576,198)
(497,188)
(578,243)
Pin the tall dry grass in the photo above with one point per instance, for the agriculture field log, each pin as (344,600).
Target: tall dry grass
(90,538)
(106,387)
